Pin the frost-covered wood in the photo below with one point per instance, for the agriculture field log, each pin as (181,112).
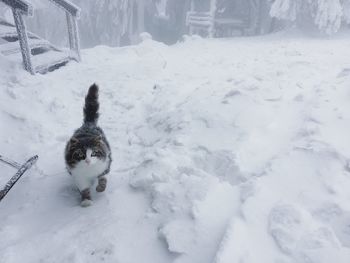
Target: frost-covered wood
(39,55)
(17,176)
(73,35)
(68,6)
(23,40)
(223,18)
(10,162)
(200,21)
(21,5)
(72,14)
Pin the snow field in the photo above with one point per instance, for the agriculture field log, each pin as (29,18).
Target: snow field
(224,151)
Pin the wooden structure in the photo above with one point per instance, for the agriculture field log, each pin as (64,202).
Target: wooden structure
(201,22)
(208,19)
(21,169)
(38,55)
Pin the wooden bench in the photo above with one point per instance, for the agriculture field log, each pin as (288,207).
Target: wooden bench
(225,27)
(201,23)
(210,24)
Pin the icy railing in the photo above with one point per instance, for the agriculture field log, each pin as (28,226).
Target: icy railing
(68,7)
(72,15)
(21,7)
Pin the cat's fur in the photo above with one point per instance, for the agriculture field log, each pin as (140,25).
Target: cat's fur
(87,153)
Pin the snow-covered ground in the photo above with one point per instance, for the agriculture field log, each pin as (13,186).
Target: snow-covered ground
(225,151)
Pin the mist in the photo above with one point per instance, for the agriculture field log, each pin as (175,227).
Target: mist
(120,22)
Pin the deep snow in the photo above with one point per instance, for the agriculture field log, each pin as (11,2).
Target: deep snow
(224,151)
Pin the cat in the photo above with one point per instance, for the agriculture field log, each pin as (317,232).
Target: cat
(88,154)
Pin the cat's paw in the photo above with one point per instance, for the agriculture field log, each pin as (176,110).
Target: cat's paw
(86,203)
(102,183)
(100,188)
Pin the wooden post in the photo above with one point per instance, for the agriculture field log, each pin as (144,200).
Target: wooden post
(212,12)
(23,40)
(70,33)
(73,35)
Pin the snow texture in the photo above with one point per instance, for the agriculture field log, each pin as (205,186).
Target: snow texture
(225,151)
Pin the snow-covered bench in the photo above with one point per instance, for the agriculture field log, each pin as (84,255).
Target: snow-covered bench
(200,22)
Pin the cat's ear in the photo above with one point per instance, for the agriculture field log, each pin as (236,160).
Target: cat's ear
(74,140)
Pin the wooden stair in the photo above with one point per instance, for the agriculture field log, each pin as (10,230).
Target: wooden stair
(45,56)
(38,55)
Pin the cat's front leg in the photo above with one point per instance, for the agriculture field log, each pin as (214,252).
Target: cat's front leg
(102,183)
(85,198)
(83,183)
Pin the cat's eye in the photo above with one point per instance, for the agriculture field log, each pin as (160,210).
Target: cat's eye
(96,154)
(78,155)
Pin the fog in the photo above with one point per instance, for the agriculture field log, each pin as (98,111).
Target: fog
(120,22)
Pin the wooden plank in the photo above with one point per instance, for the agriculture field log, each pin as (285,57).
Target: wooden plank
(13,47)
(5,23)
(13,33)
(23,6)
(23,40)
(17,176)
(44,62)
(68,7)
(10,162)
(7,30)
(73,34)
(204,24)
(230,22)
(192,13)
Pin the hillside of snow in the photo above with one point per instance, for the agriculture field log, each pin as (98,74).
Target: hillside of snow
(224,151)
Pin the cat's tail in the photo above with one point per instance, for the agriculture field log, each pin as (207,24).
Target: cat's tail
(91,105)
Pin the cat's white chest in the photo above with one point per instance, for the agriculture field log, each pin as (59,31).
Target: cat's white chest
(89,170)
(85,174)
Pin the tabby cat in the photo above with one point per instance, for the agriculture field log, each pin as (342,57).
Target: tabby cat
(88,154)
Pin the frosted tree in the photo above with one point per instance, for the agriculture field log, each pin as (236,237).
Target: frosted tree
(285,9)
(346,11)
(327,15)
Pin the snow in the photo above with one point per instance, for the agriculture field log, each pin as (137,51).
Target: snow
(224,151)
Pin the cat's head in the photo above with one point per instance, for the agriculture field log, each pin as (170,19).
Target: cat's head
(88,149)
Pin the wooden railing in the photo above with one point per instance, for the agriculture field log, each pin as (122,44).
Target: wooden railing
(22,7)
(72,16)
(19,8)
